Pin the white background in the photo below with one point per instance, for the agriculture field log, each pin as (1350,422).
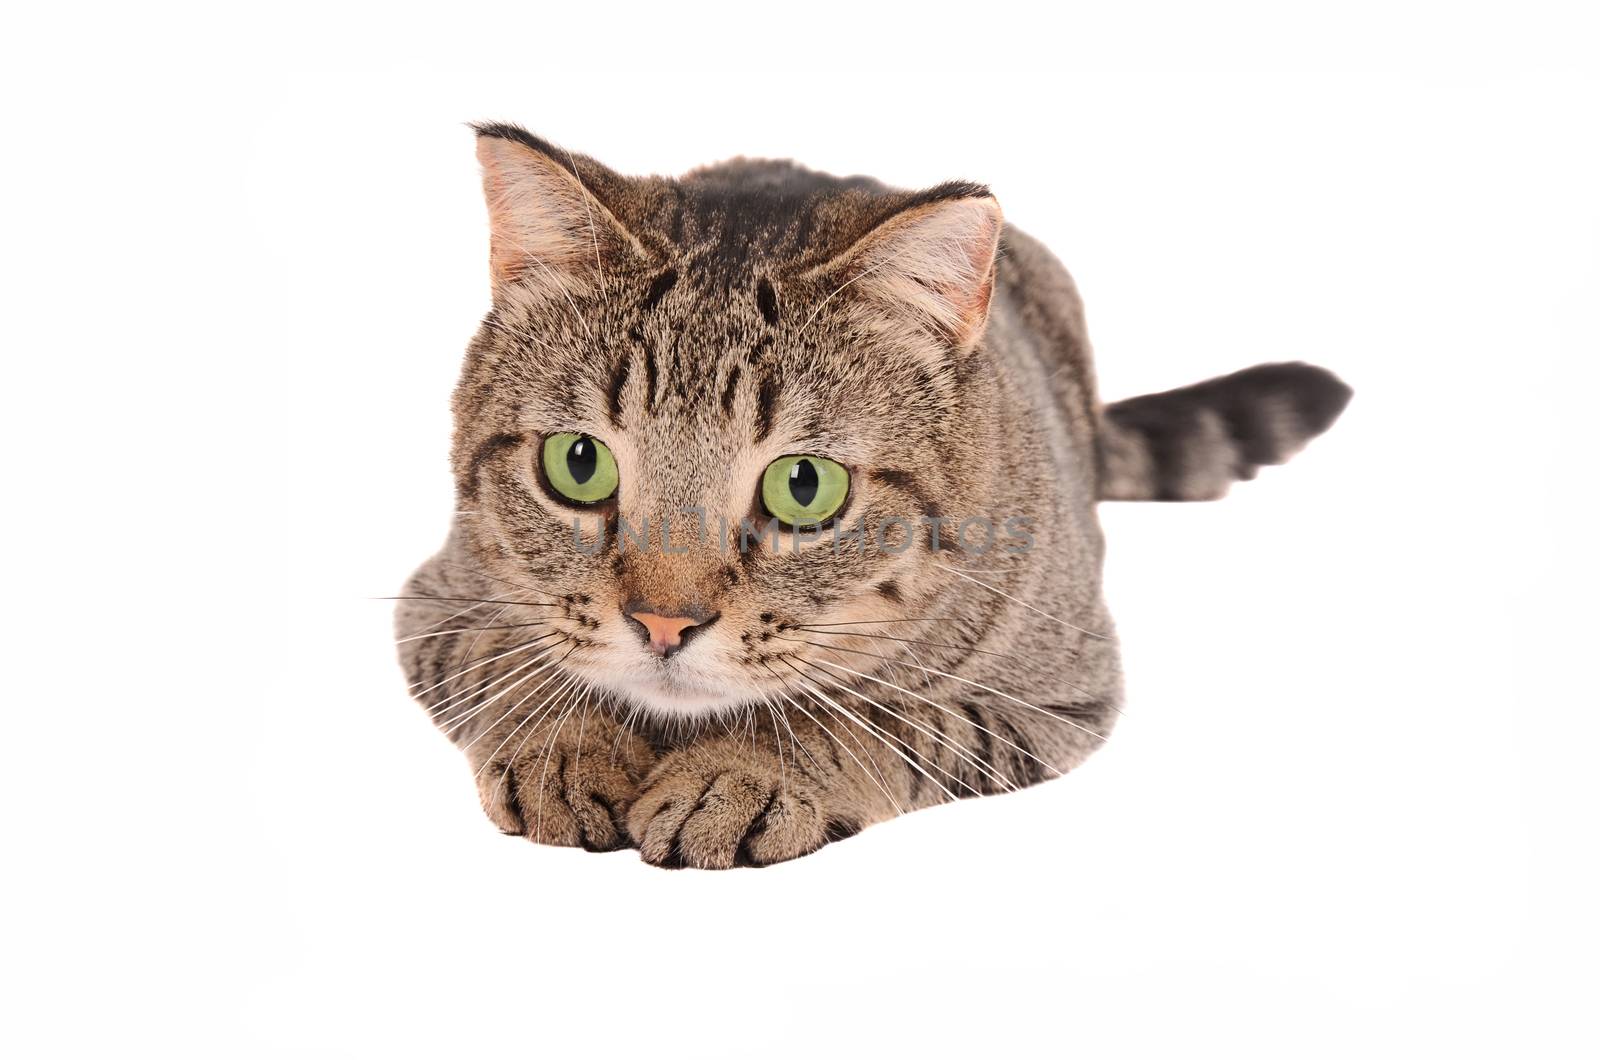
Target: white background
(1350,810)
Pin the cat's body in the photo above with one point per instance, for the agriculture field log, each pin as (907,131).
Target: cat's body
(796,690)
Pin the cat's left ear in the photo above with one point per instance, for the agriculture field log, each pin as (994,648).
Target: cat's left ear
(550,227)
(931,262)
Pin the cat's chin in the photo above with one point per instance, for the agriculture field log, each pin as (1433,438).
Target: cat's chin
(672,697)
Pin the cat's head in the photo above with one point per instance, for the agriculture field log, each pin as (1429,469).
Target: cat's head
(678,374)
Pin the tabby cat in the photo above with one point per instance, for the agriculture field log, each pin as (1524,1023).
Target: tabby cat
(777,506)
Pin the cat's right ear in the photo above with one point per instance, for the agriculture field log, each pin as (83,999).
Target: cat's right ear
(550,232)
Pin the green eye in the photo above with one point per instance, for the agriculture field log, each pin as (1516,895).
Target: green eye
(804,490)
(579,467)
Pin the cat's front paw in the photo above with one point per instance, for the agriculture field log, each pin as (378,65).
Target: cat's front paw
(570,789)
(717,806)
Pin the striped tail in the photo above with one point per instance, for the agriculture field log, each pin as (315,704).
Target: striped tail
(1192,443)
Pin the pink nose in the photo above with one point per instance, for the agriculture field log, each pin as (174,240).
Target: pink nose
(667,632)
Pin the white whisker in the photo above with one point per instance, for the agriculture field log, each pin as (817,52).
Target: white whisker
(514,649)
(479,709)
(874,731)
(465,629)
(829,733)
(963,752)
(503,581)
(537,712)
(452,618)
(544,770)
(1030,607)
(941,706)
(986,688)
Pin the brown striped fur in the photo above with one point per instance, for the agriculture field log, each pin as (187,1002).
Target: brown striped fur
(702,327)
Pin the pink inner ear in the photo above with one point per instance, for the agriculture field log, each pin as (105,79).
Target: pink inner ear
(532,231)
(973,298)
(937,262)
(547,231)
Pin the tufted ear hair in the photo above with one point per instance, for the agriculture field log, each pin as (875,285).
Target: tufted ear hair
(931,262)
(548,230)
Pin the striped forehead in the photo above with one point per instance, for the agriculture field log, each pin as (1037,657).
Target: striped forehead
(698,352)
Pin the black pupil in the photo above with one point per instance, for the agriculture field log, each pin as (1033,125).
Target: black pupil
(581,460)
(803,483)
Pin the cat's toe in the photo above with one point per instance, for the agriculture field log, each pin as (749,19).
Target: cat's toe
(715,816)
(793,825)
(565,798)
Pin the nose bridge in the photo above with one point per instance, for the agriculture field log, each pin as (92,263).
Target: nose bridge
(671,547)
(671,564)
(670,585)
